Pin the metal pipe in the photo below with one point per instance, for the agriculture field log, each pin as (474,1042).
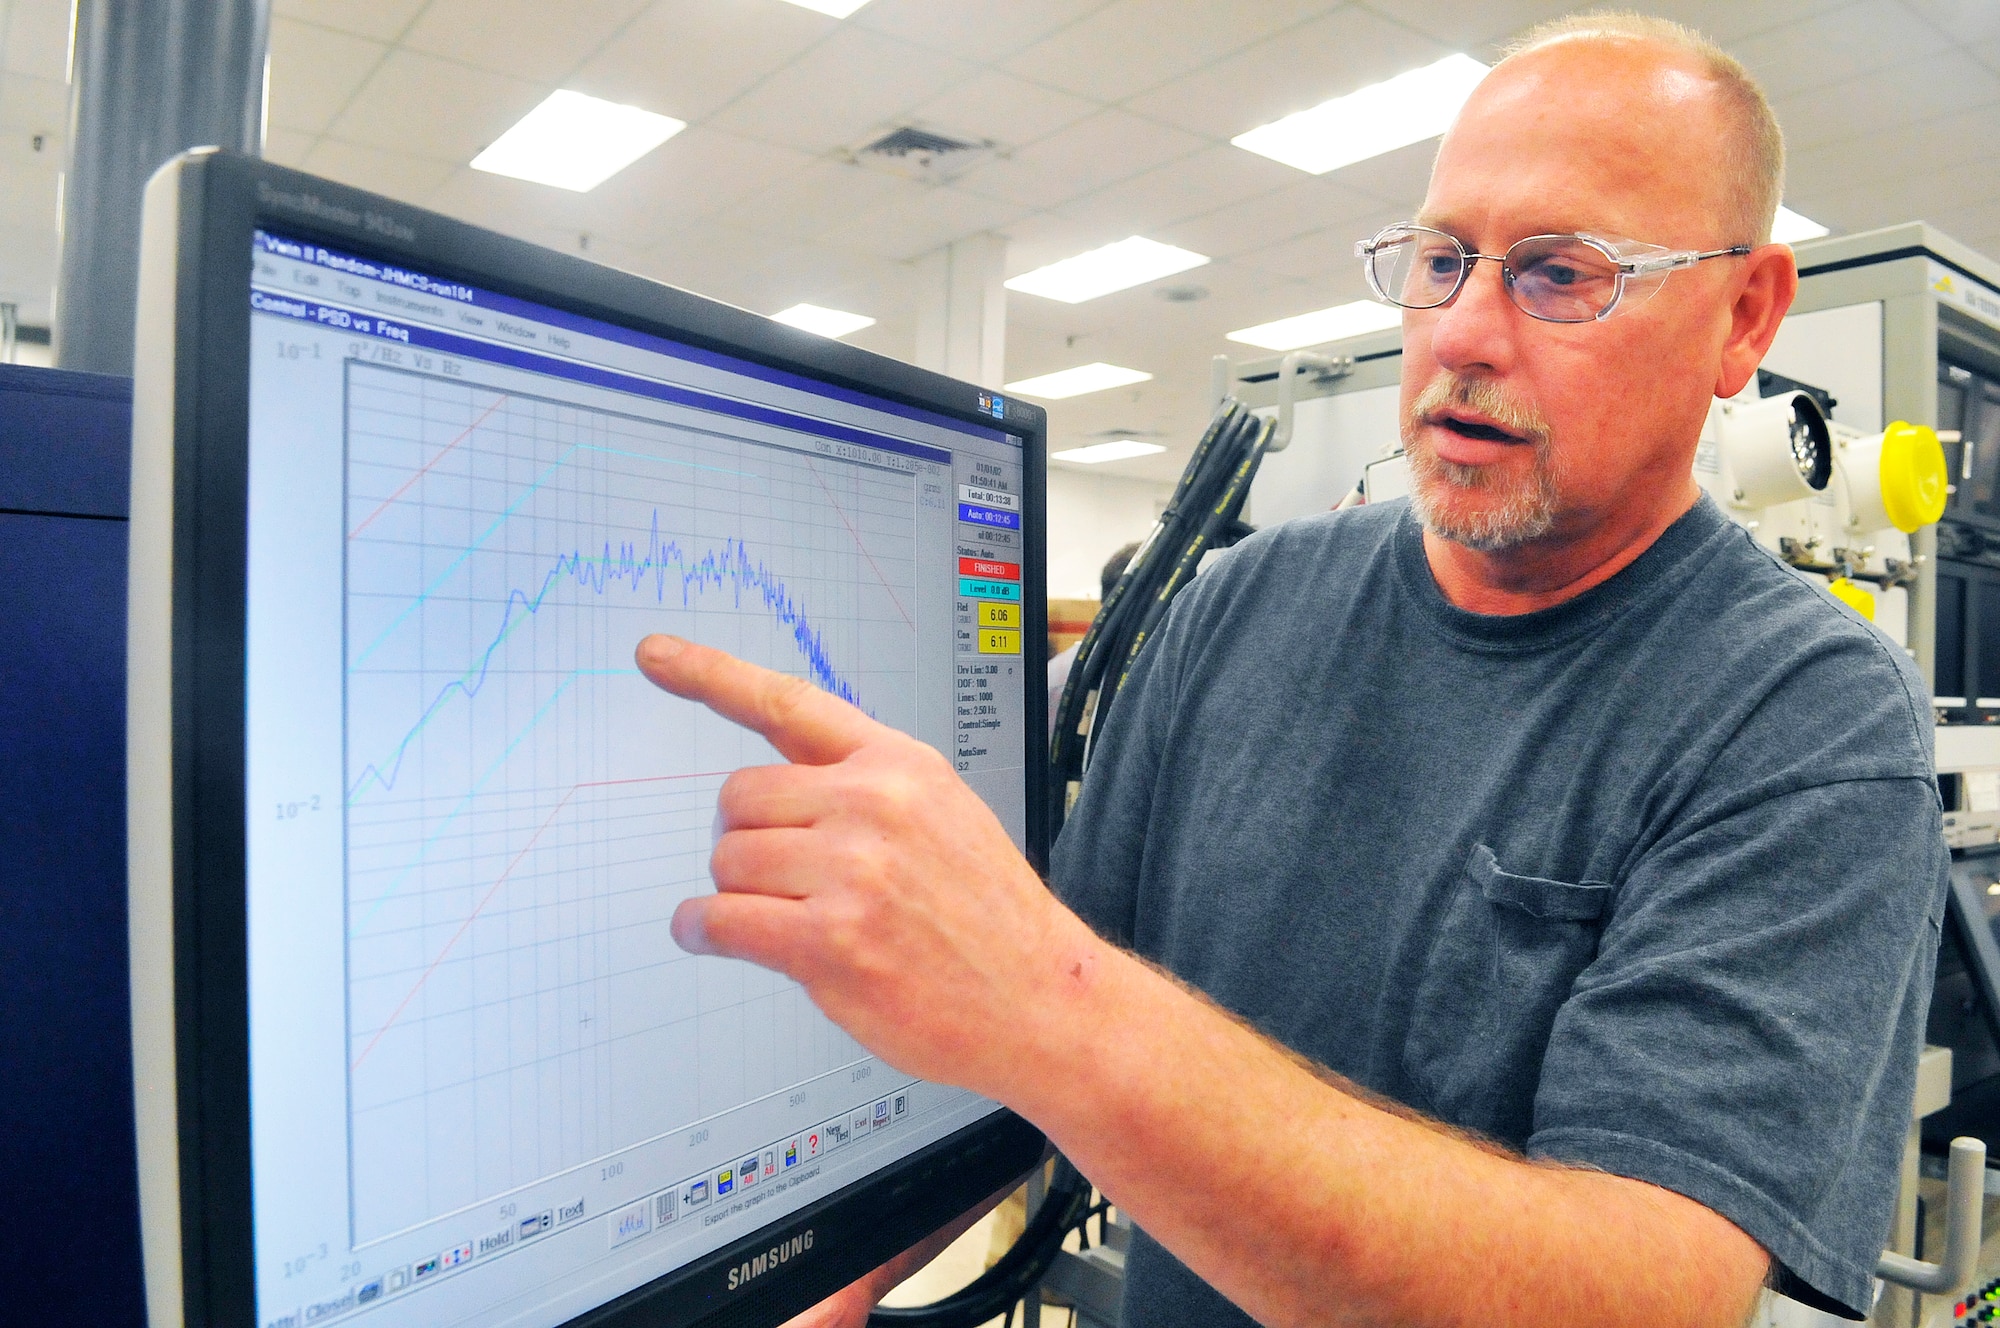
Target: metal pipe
(148,79)
(1965,1193)
(1324,367)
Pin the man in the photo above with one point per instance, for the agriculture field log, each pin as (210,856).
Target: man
(1561,872)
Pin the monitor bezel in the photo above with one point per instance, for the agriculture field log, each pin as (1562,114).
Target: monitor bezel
(188,735)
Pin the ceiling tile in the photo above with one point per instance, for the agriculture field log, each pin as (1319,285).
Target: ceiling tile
(1326,57)
(688,58)
(1042,238)
(983,33)
(1307,206)
(1101,150)
(1731,21)
(1133,45)
(821,198)
(1961,20)
(36,39)
(636,218)
(1836,46)
(1940,146)
(915,226)
(396,174)
(1007,110)
(288,147)
(315,73)
(434,108)
(1907,94)
(1475,29)
(383,20)
(697,173)
(1398,178)
(1325,258)
(1866,207)
(1192,186)
(841,90)
(39,105)
(528,39)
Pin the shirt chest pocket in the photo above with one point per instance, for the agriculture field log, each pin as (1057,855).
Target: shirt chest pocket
(1507,952)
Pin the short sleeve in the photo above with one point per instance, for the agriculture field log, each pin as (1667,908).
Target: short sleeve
(1747,1034)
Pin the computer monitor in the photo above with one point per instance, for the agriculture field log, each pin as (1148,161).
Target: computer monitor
(413,1044)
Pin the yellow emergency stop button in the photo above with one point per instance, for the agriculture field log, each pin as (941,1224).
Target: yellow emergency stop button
(1913,477)
(1853,596)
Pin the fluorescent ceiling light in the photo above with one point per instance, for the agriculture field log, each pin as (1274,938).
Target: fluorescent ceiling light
(1075,382)
(831,8)
(1788,227)
(826,322)
(576,142)
(1115,267)
(1379,118)
(1122,449)
(1342,320)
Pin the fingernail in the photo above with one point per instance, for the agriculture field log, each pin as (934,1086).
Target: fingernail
(688,931)
(660,647)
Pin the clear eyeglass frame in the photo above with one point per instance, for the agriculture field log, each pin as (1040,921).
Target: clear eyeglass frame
(1570,278)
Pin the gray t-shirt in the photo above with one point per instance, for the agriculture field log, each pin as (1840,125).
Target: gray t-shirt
(1650,881)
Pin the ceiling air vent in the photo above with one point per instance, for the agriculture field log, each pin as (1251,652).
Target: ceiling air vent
(921,154)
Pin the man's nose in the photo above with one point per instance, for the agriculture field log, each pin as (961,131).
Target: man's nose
(1476,330)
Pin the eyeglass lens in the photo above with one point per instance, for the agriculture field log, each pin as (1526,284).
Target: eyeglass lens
(1553,277)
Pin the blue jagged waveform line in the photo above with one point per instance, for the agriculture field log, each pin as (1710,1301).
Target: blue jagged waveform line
(665,564)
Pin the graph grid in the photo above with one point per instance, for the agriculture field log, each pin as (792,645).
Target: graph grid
(523,810)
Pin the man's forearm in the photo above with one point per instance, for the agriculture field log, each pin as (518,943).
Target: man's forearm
(1304,1203)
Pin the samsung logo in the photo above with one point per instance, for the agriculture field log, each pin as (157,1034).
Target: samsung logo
(765,1260)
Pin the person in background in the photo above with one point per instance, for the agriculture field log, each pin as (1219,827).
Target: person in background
(1114,567)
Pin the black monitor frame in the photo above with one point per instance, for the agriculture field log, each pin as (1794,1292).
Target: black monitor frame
(187,735)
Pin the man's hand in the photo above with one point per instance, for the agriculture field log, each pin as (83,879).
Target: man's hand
(869,873)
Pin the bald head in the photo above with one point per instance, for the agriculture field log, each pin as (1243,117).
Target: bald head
(1696,93)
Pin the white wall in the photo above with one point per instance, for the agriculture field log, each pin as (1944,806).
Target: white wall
(1089,517)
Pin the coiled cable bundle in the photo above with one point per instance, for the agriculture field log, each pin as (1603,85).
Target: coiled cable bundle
(1204,514)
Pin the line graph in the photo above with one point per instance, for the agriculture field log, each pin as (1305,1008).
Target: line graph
(523,810)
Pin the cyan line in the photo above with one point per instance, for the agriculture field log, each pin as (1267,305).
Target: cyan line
(470,793)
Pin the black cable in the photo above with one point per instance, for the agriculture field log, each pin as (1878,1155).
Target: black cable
(1204,514)
(1019,1271)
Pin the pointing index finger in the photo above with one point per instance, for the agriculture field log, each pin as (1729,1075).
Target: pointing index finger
(805,724)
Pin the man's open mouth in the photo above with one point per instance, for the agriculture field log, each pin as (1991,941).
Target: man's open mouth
(1475,429)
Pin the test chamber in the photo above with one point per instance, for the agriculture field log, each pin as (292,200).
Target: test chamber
(1866,453)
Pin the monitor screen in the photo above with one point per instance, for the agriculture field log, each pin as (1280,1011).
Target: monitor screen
(484,1085)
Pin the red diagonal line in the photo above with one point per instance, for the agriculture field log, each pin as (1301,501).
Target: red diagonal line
(857,542)
(404,487)
(494,889)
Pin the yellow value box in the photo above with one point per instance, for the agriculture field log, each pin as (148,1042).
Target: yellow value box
(992,613)
(998,641)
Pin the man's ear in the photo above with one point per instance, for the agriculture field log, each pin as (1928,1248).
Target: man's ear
(1764,293)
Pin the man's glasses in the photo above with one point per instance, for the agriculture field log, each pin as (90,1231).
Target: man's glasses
(1556,278)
